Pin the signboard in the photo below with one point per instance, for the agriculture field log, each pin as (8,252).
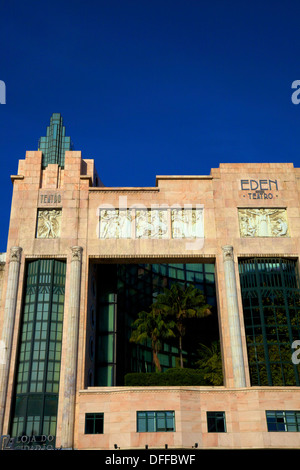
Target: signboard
(27,442)
(259,189)
(50,198)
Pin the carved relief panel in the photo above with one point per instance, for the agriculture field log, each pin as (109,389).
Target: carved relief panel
(263,223)
(152,223)
(115,223)
(187,223)
(48,223)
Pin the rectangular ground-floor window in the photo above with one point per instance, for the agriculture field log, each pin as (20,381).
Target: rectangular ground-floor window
(94,423)
(216,421)
(155,421)
(283,420)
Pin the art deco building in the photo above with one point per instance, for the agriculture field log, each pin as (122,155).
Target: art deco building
(83,259)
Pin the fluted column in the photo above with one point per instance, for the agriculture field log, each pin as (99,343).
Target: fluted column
(233,318)
(8,325)
(72,349)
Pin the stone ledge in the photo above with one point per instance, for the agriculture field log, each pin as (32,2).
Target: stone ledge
(197,389)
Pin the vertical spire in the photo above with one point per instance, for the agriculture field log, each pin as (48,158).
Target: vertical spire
(54,145)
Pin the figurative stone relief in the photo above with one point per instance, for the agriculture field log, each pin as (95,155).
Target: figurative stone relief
(152,223)
(115,223)
(187,223)
(48,223)
(263,223)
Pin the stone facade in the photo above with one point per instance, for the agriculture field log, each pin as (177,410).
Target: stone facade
(65,214)
(2,271)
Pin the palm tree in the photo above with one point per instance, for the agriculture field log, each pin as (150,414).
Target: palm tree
(154,326)
(181,303)
(210,362)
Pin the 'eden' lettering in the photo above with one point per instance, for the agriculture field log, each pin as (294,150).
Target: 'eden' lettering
(259,185)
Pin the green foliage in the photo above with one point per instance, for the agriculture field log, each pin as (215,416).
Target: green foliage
(182,303)
(269,339)
(278,361)
(171,377)
(155,326)
(210,363)
(168,317)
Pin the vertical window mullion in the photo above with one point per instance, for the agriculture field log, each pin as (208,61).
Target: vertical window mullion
(33,328)
(39,283)
(288,319)
(49,327)
(262,321)
(46,361)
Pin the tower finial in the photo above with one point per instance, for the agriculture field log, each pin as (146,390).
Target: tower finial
(55,144)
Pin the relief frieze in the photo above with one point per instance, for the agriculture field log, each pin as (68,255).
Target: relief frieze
(151,223)
(115,223)
(263,222)
(187,223)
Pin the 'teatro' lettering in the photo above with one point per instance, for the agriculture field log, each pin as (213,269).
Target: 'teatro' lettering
(49,198)
(259,185)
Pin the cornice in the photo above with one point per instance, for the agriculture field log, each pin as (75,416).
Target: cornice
(160,256)
(94,190)
(45,256)
(185,389)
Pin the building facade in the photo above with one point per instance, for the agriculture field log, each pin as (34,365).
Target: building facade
(83,259)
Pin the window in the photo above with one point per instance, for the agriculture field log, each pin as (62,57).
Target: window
(39,359)
(271,308)
(283,420)
(106,340)
(155,421)
(124,290)
(94,423)
(216,421)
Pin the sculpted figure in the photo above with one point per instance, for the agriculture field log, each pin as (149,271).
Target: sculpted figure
(281,229)
(48,224)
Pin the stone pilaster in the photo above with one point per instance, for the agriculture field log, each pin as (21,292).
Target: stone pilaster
(8,325)
(72,349)
(233,318)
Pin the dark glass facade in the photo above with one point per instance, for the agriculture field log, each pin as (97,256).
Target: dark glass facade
(127,289)
(39,354)
(271,306)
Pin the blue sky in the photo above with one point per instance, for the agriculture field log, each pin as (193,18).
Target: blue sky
(150,87)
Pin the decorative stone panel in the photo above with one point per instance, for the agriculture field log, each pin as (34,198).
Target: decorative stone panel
(263,223)
(151,223)
(187,223)
(48,223)
(115,223)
